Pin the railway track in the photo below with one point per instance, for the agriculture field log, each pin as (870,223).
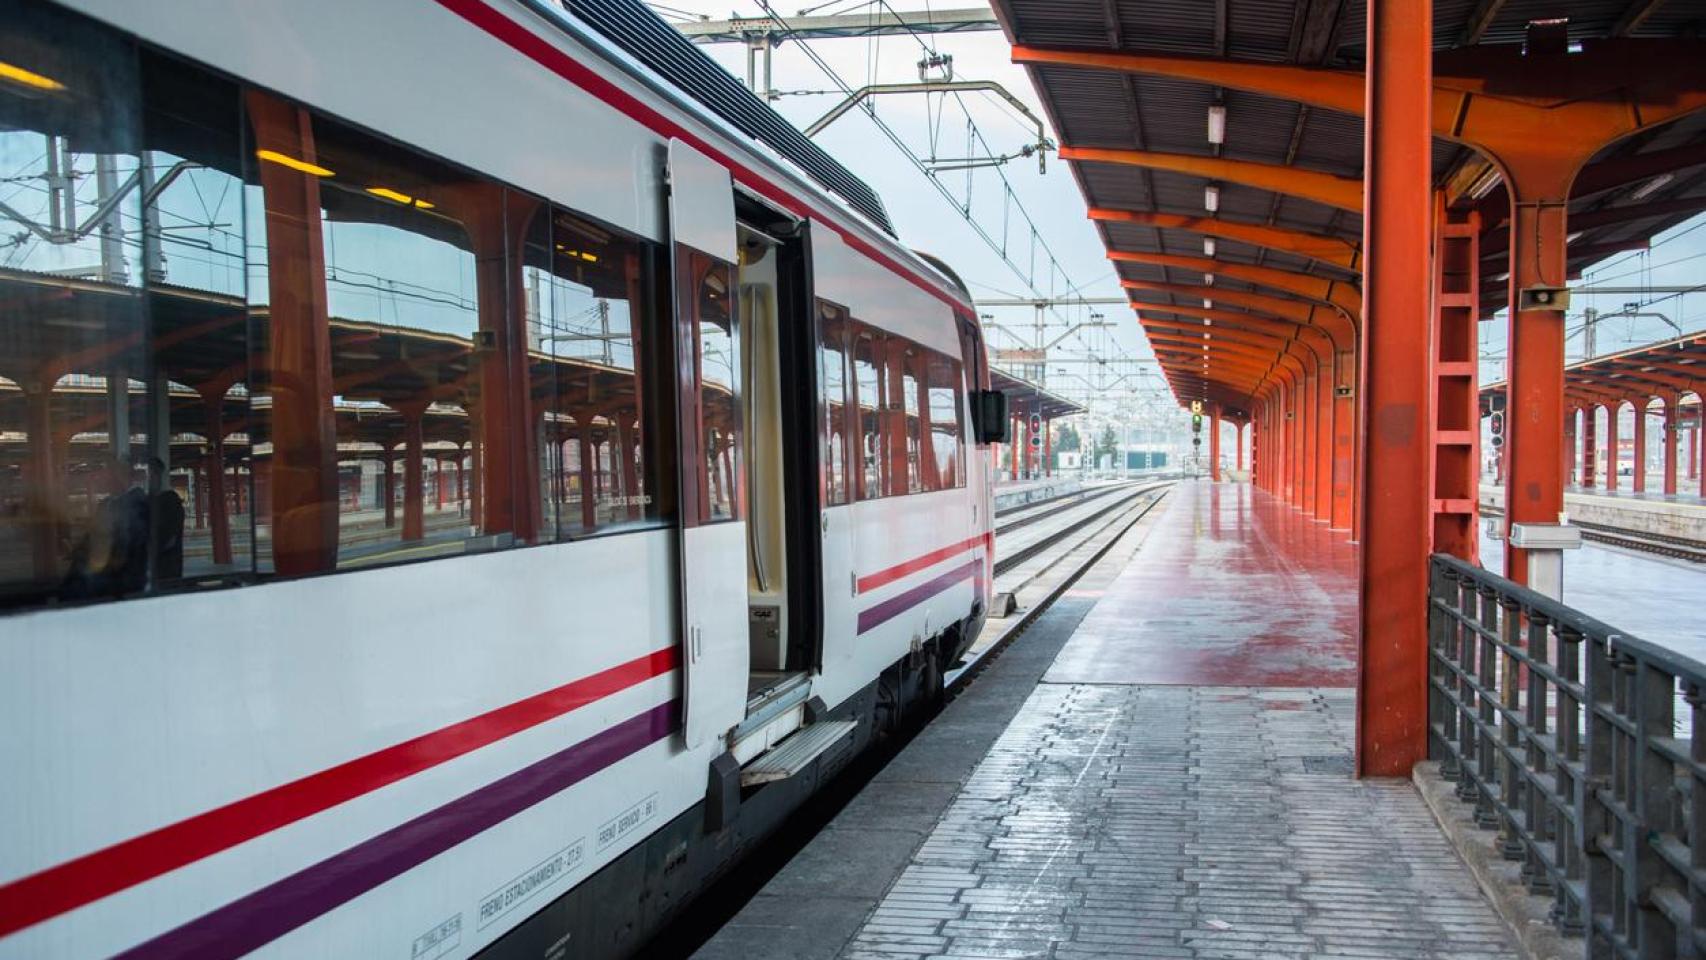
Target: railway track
(1062,546)
(1664,545)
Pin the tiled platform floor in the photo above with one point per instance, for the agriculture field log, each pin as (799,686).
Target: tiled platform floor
(1178,785)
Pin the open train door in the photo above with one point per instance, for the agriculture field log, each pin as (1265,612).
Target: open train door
(713,543)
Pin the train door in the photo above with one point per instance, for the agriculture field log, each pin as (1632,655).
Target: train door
(713,528)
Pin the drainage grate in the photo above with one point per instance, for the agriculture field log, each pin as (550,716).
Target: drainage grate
(1339,763)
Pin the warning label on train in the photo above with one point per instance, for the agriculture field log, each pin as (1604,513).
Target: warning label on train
(627,820)
(541,875)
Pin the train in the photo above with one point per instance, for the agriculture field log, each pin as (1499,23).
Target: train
(468,472)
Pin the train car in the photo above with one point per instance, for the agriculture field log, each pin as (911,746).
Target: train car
(467,471)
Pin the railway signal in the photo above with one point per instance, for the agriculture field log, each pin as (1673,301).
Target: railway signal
(1498,428)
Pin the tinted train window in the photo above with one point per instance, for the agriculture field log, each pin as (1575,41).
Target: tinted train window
(868,387)
(245,339)
(911,361)
(590,300)
(945,422)
(710,369)
(833,329)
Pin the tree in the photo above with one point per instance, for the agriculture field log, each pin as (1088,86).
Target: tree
(1107,444)
(1065,438)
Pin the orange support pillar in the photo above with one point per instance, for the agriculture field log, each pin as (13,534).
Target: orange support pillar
(1673,429)
(1309,441)
(1455,473)
(414,481)
(1214,442)
(214,403)
(1611,446)
(1239,431)
(1638,478)
(1048,447)
(1392,670)
(1324,433)
(1590,446)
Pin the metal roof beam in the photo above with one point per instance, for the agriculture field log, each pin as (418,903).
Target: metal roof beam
(1332,321)
(1344,193)
(1309,286)
(740,29)
(1327,249)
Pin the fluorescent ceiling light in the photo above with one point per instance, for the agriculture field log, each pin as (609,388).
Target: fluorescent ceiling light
(300,166)
(28,78)
(399,197)
(1207,304)
(1208,246)
(1208,279)
(1211,198)
(1217,123)
(1652,186)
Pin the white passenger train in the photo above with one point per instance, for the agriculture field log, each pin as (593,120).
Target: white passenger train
(467,470)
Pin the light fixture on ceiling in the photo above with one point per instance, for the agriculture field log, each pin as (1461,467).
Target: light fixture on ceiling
(1652,186)
(1208,321)
(286,160)
(1211,198)
(1208,279)
(1208,246)
(1207,304)
(1217,123)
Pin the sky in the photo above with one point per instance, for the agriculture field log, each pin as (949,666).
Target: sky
(926,220)
(933,126)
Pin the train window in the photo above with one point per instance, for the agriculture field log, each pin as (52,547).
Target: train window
(869,378)
(707,314)
(833,328)
(911,390)
(382,314)
(76,502)
(946,434)
(590,295)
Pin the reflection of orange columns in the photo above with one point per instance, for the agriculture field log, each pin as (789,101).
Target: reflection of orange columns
(388,485)
(589,503)
(1673,424)
(414,480)
(627,443)
(438,484)
(1638,478)
(41,478)
(1214,442)
(303,430)
(1392,669)
(214,401)
(1611,446)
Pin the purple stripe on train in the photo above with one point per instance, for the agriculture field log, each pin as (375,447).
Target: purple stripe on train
(271,912)
(901,602)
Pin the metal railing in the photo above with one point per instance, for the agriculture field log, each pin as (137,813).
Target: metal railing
(1575,741)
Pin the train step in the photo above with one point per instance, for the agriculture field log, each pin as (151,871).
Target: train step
(796,752)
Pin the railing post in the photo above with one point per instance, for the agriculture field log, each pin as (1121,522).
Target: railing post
(1593,818)
(1653,780)
(1467,738)
(1510,690)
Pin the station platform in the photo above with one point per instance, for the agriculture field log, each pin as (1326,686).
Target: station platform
(1678,515)
(1159,767)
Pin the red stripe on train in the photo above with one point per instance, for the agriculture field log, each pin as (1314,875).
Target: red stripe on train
(872,581)
(56,890)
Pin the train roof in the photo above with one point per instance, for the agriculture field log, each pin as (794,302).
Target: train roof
(639,32)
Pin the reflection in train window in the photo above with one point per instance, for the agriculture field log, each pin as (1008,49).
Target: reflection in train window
(911,361)
(711,373)
(945,419)
(833,327)
(868,381)
(243,339)
(588,292)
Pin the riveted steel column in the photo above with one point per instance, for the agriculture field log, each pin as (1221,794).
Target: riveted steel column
(1393,579)
(1611,410)
(1639,477)
(1214,442)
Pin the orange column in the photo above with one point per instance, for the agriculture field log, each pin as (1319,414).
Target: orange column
(1214,442)
(1611,446)
(1307,443)
(1455,435)
(1393,581)
(1673,425)
(1324,441)
(1239,432)
(1590,446)
(414,507)
(1639,478)
(1344,438)
(214,404)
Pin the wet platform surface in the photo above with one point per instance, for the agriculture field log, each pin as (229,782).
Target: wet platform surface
(1170,805)
(1234,588)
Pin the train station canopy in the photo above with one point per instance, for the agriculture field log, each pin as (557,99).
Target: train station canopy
(1671,368)
(1233,195)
